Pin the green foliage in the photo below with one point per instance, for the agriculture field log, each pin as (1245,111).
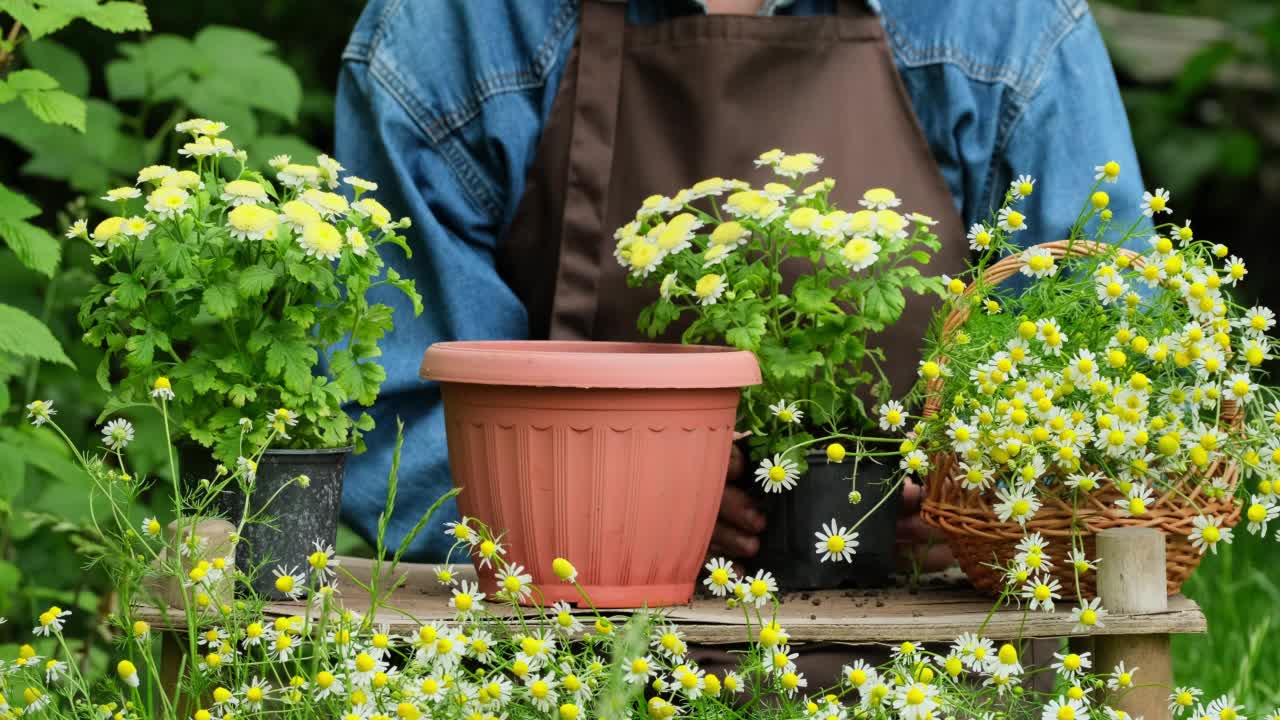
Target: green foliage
(810,337)
(235,297)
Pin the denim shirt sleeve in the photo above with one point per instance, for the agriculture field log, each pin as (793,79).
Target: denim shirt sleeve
(1073,122)
(425,159)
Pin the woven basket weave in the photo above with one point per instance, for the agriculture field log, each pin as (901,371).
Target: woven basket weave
(980,540)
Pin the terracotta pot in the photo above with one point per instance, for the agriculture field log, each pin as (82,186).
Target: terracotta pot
(612,455)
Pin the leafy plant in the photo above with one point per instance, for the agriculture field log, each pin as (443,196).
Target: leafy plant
(232,287)
(811,337)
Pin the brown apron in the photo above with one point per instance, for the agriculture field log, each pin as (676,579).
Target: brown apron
(650,109)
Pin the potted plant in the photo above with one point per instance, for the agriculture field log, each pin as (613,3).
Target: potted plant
(226,294)
(1123,386)
(781,272)
(611,453)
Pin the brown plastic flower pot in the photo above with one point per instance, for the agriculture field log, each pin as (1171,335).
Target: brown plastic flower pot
(612,455)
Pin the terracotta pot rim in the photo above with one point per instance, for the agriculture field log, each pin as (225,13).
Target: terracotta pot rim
(586,364)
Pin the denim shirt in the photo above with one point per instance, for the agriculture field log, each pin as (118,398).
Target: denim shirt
(442,103)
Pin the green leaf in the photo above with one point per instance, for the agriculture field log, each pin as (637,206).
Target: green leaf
(220,301)
(7,94)
(408,287)
(60,62)
(781,362)
(359,380)
(39,21)
(26,80)
(245,71)
(129,293)
(747,337)
(119,17)
(16,206)
(884,302)
(142,348)
(811,297)
(25,336)
(240,395)
(56,107)
(10,577)
(256,280)
(290,358)
(34,247)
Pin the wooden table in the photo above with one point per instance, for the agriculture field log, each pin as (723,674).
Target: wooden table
(937,612)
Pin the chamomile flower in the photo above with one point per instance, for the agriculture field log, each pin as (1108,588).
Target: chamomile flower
(777,474)
(1088,616)
(243,192)
(514,582)
(720,576)
(467,598)
(117,434)
(892,415)
(321,240)
(879,198)
(1208,532)
(915,462)
(710,288)
(639,669)
(1071,664)
(1136,501)
(1109,172)
(979,237)
(322,559)
(1042,591)
(1064,708)
(138,227)
(122,194)
(1183,698)
(51,621)
(289,581)
(836,543)
(758,589)
(40,412)
(1017,505)
(1258,319)
(1236,270)
(251,222)
(1157,202)
(1037,262)
(1262,509)
(859,253)
(1011,220)
(786,412)
(168,202)
(1022,187)
(1121,678)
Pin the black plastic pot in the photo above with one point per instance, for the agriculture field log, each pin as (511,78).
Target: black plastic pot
(788,542)
(300,516)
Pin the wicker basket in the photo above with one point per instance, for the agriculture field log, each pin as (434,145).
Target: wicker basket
(980,540)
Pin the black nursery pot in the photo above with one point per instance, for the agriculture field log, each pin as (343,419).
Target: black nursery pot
(299,517)
(787,546)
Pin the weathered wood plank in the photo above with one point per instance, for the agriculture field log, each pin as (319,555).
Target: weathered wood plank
(856,616)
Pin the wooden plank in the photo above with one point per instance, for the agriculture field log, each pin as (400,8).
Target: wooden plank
(854,616)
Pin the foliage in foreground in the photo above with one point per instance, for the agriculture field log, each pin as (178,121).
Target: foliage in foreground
(495,658)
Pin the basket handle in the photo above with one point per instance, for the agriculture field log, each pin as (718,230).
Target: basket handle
(1003,269)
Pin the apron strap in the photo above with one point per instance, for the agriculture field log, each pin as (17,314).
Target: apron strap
(595,115)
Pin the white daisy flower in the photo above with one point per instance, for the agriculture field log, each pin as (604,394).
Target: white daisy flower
(117,434)
(1157,202)
(1088,616)
(1011,220)
(1207,532)
(836,542)
(777,474)
(786,412)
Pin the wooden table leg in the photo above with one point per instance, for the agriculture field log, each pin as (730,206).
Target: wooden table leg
(173,659)
(1131,579)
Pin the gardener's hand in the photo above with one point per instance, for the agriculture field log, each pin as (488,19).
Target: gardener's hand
(740,521)
(924,542)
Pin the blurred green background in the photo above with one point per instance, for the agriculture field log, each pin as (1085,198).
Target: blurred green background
(1199,77)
